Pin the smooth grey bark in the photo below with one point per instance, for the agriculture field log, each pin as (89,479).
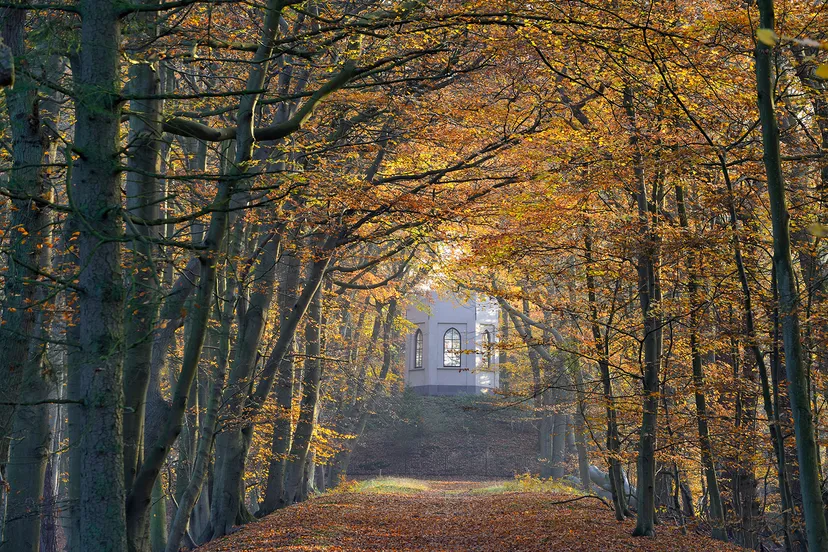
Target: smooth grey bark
(158,519)
(308,405)
(557,456)
(74,425)
(282,434)
(649,293)
(522,324)
(245,142)
(207,437)
(789,302)
(227,481)
(503,354)
(580,422)
(231,448)
(353,403)
(143,201)
(139,498)
(717,513)
(602,351)
(97,201)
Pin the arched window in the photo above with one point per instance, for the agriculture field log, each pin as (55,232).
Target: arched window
(451,348)
(487,349)
(418,350)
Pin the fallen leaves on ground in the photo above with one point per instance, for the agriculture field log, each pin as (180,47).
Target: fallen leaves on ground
(452,516)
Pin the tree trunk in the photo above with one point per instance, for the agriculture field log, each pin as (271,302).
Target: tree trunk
(29,452)
(580,424)
(226,501)
(282,434)
(25,431)
(206,439)
(97,199)
(649,293)
(158,519)
(717,518)
(143,200)
(310,395)
(788,296)
(602,350)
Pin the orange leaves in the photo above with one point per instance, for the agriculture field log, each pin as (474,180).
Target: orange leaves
(451,515)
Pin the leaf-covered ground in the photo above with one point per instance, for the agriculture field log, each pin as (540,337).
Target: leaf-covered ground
(410,515)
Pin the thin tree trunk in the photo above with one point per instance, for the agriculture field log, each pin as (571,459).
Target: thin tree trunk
(282,435)
(29,452)
(580,424)
(602,350)
(205,444)
(143,200)
(649,292)
(157,519)
(717,517)
(788,296)
(362,410)
(310,395)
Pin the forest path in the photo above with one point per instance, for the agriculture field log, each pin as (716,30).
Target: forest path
(423,515)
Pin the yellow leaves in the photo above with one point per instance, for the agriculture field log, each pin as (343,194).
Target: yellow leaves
(817,229)
(767,37)
(822,71)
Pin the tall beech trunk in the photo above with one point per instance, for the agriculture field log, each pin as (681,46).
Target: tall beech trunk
(788,296)
(143,201)
(503,355)
(226,499)
(619,500)
(649,294)
(303,433)
(282,434)
(580,422)
(358,411)
(558,425)
(139,498)
(556,381)
(31,445)
(717,516)
(207,437)
(74,420)
(31,434)
(231,446)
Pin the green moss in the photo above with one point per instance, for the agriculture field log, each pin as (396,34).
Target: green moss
(529,484)
(392,485)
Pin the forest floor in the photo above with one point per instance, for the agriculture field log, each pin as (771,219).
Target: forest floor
(429,515)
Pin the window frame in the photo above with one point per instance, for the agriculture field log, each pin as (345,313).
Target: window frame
(418,349)
(487,349)
(452,350)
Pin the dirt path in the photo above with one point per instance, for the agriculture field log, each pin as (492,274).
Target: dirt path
(450,515)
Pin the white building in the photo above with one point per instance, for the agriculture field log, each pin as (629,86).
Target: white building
(451,350)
